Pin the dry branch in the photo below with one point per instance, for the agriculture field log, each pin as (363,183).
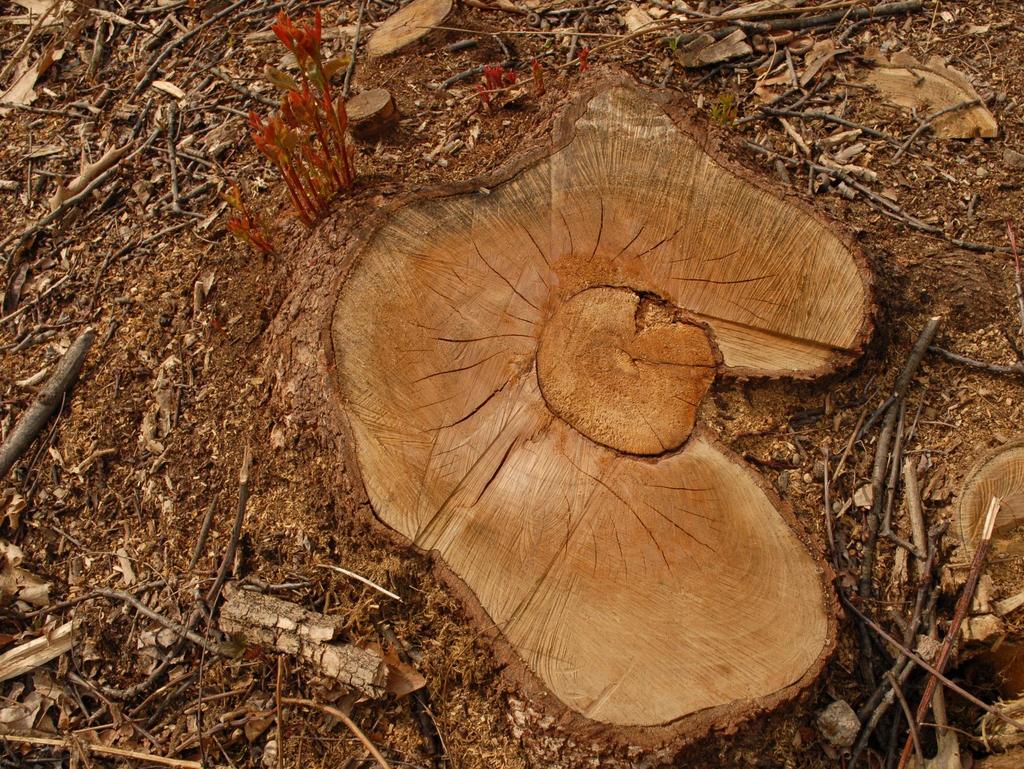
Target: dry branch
(285,626)
(49,398)
(101,750)
(962,606)
(341,716)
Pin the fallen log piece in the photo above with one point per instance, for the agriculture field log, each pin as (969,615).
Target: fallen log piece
(36,416)
(407,25)
(371,114)
(272,622)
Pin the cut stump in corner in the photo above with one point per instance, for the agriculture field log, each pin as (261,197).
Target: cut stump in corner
(407,25)
(999,473)
(521,361)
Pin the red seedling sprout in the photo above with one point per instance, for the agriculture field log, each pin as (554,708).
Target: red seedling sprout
(538,78)
(583,54)
(306,137)
(245,225)
(495,77)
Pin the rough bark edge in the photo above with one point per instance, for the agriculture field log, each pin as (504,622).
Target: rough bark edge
(553,719)
(991,455)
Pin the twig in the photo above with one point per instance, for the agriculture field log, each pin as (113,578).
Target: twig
(334,712)
(361,578)
(352,57)
(962,606)
(277,707)
(898,691)
(236,531)
(181,40)
(23,236)
(204,532)
(1016,369)
(28,305)
(103,750)
(913,497)
(15,57)
(927,667)
(1012,234)
(927,123)
(831,119)
(178,628)
(882,449)
(49,398)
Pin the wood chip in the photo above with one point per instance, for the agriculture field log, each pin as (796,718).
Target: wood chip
(31,654)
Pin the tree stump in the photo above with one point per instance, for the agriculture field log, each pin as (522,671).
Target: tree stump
(407,25)
(371,114)
(520,363)
(999,473)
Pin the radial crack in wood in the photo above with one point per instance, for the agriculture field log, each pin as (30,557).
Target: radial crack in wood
(503,351)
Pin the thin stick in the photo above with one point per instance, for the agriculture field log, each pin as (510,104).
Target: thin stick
(331,711)
(927,123)
(927,667)
(896,690)
(204,532)
(166,51)
(917,531)
(23,236)
(962,606)
(1016,272)
(361,578)
(50,397)
(16,56)
(178,628)
(1014,369)
(236,530)
(103,750)
(277,705)
(924,339)
(352,57)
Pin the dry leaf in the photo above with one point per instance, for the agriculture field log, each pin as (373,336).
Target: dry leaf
(22,90)
(88,173)
(403,679)
(817,58)
(169,88)
(929,88)
(16,584)
(636,18)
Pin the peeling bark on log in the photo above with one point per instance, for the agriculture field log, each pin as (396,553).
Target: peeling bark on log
(287,627)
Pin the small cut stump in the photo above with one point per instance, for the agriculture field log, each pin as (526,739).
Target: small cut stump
(523,360)
(371,114)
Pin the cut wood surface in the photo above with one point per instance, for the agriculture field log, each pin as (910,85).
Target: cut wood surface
(930,88)
(999,474)
(503,356)
(407,25)
(268,621)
